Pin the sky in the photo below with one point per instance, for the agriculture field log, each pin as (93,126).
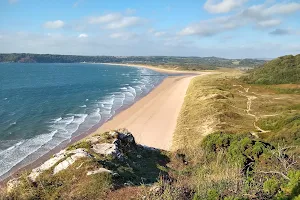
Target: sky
(222,28)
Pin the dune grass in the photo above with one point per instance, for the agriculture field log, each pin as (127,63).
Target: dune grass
(226,154)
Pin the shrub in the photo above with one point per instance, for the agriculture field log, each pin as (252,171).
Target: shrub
(271,186)
(81,144)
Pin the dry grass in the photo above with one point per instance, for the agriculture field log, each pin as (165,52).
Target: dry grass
(211,104)
(218,103)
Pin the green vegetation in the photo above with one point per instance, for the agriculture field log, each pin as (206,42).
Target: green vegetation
(285,128)
(282,70)
(228,150)
(183,63)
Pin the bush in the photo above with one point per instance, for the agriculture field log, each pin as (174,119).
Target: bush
(239,148)
(271,186)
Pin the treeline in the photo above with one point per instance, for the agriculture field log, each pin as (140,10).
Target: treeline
(282,70)
(51,58)
(191,62)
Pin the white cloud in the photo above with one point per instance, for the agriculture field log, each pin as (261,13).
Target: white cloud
(261,16)
(83,35)
(159,33)
(269,23)
(123,35)
(263,11)
(116,35)
(111,17)
(282,9)
(211,27)
(224,6)
(124,22)
(54,24)
(116,20)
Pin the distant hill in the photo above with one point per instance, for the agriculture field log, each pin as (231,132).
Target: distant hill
(191,63)
(282,70)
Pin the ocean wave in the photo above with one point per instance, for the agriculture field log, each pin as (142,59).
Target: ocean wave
(13,123)
(132,90)
(18,152)
(57,120)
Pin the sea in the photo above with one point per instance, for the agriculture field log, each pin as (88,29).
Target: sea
(44,105)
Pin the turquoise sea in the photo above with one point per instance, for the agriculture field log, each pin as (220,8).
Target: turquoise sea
(43,105)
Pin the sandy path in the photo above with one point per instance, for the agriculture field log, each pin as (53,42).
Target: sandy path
(152,120)
(249,104)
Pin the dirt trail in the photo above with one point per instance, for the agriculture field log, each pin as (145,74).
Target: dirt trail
(250,98)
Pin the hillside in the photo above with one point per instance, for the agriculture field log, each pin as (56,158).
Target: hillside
(281,70)
(185,63)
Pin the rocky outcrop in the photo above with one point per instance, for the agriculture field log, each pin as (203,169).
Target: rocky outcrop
(106,149)
(121,142)
(47,165)
(77,153)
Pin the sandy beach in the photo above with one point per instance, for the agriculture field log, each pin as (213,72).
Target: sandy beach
(158,69)
(152,120)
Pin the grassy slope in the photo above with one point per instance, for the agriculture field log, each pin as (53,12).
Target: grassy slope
(232,154)
(284,69)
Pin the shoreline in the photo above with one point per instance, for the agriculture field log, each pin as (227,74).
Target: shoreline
(16,170)
(161,70)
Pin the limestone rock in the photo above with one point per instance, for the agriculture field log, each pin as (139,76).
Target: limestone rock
(106,149)
(46,165)
(77,153)
(100,170)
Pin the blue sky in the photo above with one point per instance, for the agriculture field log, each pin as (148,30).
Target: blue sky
(223,28)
